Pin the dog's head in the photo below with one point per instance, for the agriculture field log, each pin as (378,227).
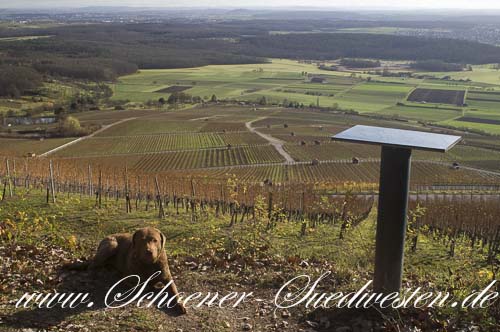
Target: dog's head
(148,244)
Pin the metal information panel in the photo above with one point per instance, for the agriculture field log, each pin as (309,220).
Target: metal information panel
(415,140)
(394,187)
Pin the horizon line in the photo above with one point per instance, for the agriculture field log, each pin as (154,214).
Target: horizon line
(269,7)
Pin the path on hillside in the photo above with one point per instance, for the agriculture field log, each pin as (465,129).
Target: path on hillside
(276,143)
(60,147)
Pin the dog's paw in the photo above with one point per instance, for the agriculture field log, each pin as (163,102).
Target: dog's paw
(180,309)
(159,285)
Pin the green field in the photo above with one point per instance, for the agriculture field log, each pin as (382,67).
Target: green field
(285,81)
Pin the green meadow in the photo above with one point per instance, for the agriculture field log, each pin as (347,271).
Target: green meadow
(285,81)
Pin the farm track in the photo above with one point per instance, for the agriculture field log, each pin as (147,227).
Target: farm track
(45,154)
(276,143)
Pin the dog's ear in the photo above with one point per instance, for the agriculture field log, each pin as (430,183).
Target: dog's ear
(163,240)
(136,233)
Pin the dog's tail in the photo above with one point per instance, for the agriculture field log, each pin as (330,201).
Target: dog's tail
(77,266)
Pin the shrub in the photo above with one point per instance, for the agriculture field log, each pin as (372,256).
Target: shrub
(70,126)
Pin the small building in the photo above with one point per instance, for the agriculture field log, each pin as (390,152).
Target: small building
(318,79)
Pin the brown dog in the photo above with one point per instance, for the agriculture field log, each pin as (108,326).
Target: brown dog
(141,253)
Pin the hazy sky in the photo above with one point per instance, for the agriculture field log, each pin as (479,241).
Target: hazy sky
(369,4)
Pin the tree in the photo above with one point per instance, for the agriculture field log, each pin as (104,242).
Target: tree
(59,110)
(70,126)
(213,99)
(15,80)
(263,100)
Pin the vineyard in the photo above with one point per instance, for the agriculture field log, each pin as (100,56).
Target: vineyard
(331,151)
(208,158)
(213,181)
(483,96)
(194,152)
(21,147)
(471,219)
(465,217)
(158,143)
(151,126)
(438,96)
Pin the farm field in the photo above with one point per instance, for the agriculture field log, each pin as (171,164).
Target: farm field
(158,143)
(438,96)
(372,97)
(480,73)
(287,81)
(21,147)
(331,151)
(365,175)
(208,158)
(420,112)
(187,159)
(215,141)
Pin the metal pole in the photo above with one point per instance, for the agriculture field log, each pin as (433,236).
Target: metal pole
(391,220)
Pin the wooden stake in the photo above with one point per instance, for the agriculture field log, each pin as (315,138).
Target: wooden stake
(8,177)
(52,182)
(161,213)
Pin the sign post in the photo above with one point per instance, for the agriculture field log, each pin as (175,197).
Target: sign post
(394,187)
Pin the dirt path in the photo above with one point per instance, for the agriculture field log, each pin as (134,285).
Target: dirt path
(45,154)
(276,143)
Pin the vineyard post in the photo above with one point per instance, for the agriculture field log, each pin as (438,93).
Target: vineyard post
(127,194)
(14,175)
(161,213)
(100,189)
(394,188)
(4,188)
(52,181)
(90,180)
(8,177)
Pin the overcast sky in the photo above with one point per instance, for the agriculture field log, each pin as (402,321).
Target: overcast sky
(369,4)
